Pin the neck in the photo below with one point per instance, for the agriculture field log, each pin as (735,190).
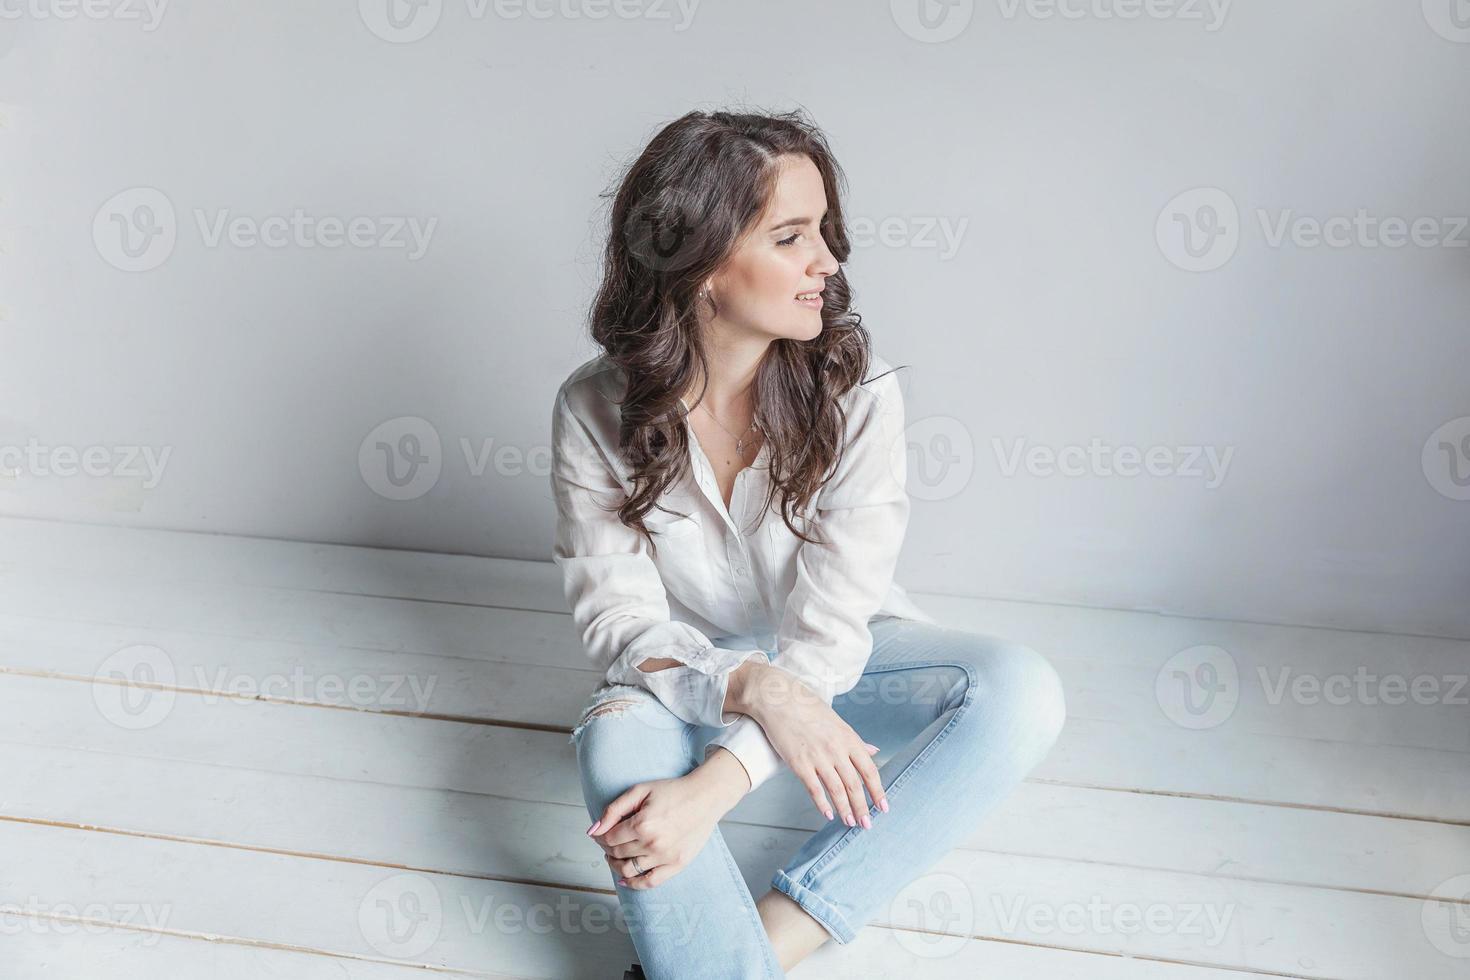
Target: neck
(731,382)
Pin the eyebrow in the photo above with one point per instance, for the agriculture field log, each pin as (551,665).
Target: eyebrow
(793,222)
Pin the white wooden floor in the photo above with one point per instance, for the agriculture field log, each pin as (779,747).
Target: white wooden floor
(342,762)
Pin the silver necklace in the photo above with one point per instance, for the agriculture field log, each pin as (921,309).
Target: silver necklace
(740,439)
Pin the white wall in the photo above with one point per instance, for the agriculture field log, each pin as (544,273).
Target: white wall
(1053,147)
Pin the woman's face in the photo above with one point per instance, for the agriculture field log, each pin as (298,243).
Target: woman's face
(783,255)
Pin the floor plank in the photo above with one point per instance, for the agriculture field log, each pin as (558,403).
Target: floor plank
(538,838)
(467,923)
(1323,834)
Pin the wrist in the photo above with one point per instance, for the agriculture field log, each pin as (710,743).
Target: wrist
(723,777)
(743,683)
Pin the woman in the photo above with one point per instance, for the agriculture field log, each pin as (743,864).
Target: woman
(729,480)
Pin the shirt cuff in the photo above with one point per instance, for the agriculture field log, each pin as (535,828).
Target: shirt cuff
(694,693)
(746,740)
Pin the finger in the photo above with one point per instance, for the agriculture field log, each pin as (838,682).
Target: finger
(818,795)
(872,749)
(854,786)
(652,879)
(838,792)
(628,801)
(873,780)
(622,832)
(627,849)
(623,867)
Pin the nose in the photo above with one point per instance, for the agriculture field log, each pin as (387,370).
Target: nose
(825,263)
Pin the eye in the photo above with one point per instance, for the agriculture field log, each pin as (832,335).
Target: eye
(788,241)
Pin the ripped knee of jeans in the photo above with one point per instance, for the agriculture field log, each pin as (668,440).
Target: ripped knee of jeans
(608,702)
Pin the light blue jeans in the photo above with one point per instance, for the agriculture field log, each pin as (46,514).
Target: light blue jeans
(960,718)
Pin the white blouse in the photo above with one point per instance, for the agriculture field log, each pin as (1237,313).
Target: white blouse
(716,575)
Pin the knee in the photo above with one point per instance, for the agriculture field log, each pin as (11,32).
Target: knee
(1024,684)
(1045,698)
(620,736)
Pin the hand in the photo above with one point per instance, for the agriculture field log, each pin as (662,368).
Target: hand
(666,822)
(822,750)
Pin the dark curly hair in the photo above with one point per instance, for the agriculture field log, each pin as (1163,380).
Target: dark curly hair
(679,211)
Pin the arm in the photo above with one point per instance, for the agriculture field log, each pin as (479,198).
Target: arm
(617,599)
(823,638)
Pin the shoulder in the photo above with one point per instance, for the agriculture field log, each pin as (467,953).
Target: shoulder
(880,389)
(592,391)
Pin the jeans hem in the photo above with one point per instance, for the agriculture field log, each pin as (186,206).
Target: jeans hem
(815,905)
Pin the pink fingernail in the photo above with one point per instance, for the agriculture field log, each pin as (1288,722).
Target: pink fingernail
(828,813)
(593,829)
(883,804)
(867,824)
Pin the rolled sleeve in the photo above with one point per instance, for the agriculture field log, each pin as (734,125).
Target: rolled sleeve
(694,692)
(746,740)
(616,596)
